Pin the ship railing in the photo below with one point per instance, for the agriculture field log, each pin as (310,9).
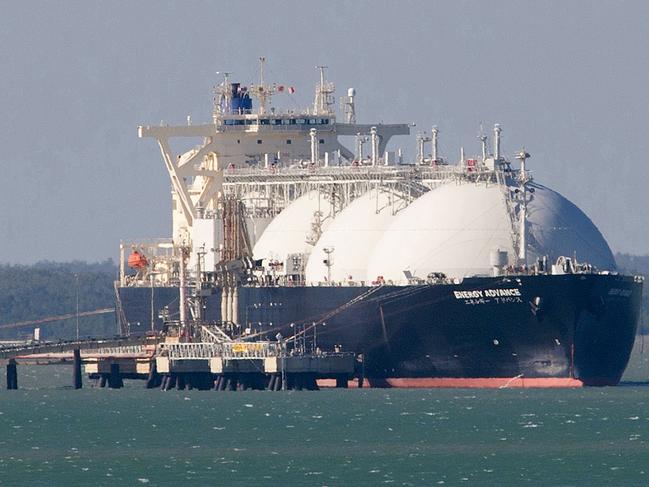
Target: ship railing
(230,350)
(349,175)
(304,167)
(126,350)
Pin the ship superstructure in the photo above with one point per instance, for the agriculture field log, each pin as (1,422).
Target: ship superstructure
(258,140)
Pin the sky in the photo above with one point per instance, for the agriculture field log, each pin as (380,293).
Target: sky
(569,81)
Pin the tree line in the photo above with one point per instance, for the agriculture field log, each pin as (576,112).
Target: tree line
(32,292)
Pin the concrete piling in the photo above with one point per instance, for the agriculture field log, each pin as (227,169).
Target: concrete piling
(115,379)
(12,375)
(76,369)
(152,378)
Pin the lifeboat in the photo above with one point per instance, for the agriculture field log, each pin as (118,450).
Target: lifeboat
(137,260)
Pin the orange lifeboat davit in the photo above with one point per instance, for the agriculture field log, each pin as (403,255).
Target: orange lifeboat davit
(137,260)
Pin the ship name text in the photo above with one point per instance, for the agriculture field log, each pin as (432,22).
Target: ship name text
(487,293)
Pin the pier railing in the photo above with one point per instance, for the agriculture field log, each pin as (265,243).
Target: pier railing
(227,350)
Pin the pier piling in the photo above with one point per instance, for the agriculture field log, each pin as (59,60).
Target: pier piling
(115,379)
(76,369)
(12,375)
(152,379)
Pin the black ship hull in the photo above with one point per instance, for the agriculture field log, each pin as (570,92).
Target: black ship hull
(554,330)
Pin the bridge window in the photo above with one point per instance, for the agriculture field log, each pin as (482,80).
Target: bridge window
(264,121)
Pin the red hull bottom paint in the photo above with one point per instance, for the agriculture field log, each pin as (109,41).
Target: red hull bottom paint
(457,382)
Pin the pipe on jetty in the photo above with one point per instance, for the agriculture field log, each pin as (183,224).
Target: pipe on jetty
(224,304)
(234,305)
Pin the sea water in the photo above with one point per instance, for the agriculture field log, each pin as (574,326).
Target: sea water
(52,435)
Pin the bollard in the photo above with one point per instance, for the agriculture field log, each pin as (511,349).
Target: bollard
(76,369)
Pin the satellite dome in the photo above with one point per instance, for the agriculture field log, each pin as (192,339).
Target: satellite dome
(352,236)
(289,231)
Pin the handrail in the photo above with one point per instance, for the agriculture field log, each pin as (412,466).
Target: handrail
(226,350)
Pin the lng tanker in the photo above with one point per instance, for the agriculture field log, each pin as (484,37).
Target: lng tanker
(434,273)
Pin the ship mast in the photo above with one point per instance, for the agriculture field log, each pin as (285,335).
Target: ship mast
(323,95)
(483,144)
(523,179)
(222,97)
(261,91)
